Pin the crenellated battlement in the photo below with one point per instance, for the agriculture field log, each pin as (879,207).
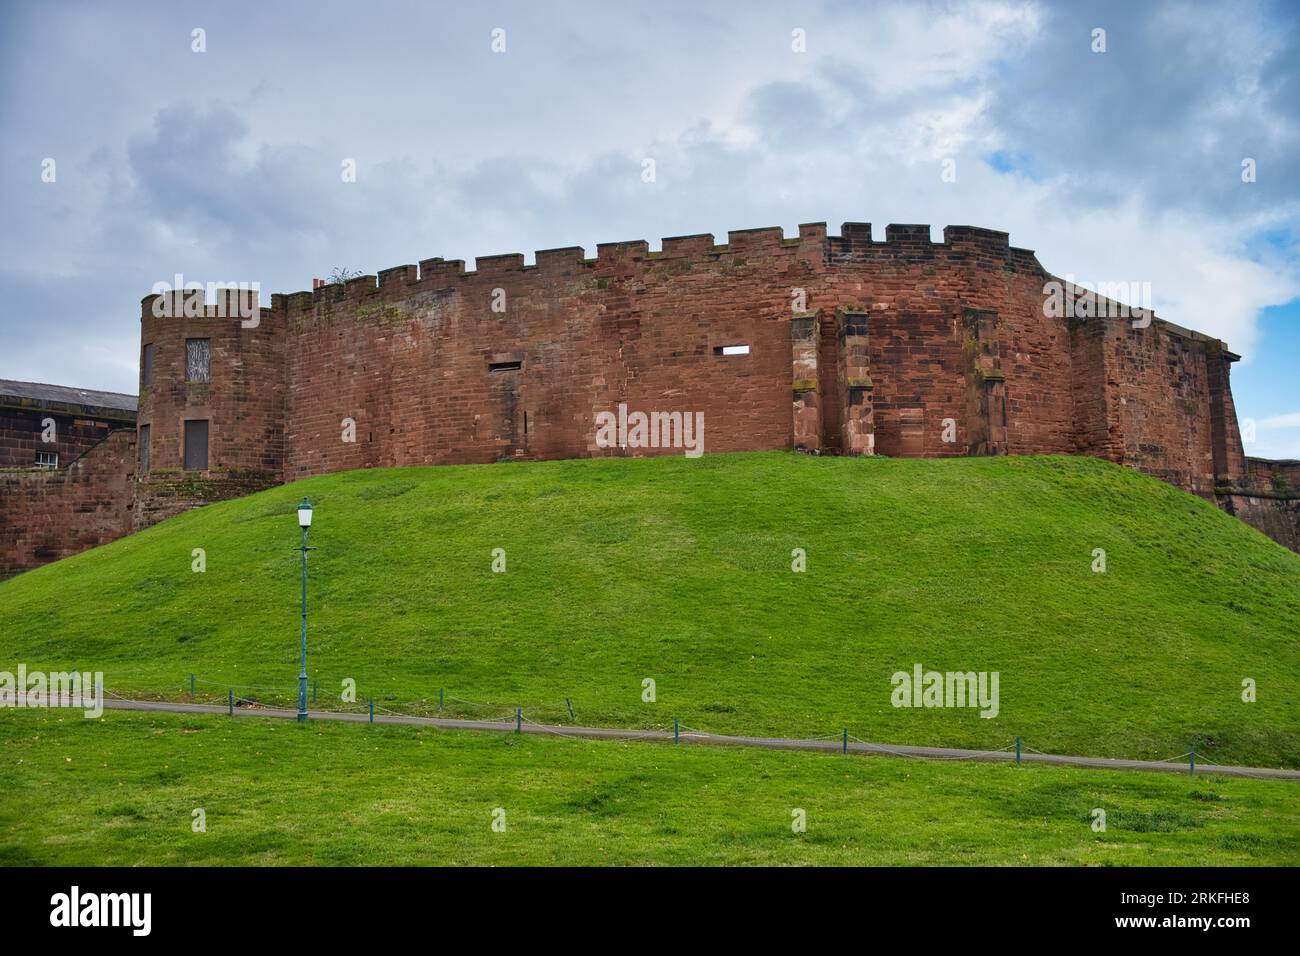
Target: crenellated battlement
(970,251)
(440,272)
(854,243)
(566,260)
(399,275)
(979,247)
(193,304)
(811,248)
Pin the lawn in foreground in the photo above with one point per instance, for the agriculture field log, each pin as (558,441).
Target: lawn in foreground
(121,790)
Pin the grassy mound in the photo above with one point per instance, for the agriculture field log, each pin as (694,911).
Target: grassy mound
(679,571)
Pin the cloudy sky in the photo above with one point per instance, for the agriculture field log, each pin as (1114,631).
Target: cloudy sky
(227,164)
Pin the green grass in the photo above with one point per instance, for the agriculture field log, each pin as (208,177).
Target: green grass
(122,790)
(679,570)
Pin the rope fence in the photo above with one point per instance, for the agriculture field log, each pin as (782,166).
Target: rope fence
(285,700)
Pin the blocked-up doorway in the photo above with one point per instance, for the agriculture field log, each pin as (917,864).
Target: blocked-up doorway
(911,432)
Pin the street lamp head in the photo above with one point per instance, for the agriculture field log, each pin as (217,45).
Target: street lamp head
(304,514)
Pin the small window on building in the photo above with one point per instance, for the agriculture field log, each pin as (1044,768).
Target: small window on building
(47,459)
(731,350)
(146,365)
(144,449)
(196,360)
(505,366)
(196,445)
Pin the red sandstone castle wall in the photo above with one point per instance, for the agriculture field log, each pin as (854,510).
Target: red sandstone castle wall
(895,339)
(1162,387)
(50,514)
(1037,360)
(409,360)
(673,311)
(1282,477)
(1004,378)
(1229,453)
(1277,517)
(243,401)
(955,331)
(74,435)
(1267,497)
(1096,426)
(912,295)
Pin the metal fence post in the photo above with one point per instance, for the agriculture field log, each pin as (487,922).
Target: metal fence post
(1017,750)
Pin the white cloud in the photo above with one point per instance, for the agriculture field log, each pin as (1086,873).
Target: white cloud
(1291,420)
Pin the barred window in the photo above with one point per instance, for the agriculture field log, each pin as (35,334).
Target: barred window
(196,360)
(47,459)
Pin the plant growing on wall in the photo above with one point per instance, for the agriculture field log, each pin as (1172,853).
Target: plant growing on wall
(341,275)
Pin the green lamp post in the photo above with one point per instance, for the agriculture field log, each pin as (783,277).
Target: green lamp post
(304,522)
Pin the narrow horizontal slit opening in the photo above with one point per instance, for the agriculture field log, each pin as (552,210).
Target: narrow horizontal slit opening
(505,366)
(731,350)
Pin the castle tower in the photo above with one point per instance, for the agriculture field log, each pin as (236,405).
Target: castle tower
(211,413)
